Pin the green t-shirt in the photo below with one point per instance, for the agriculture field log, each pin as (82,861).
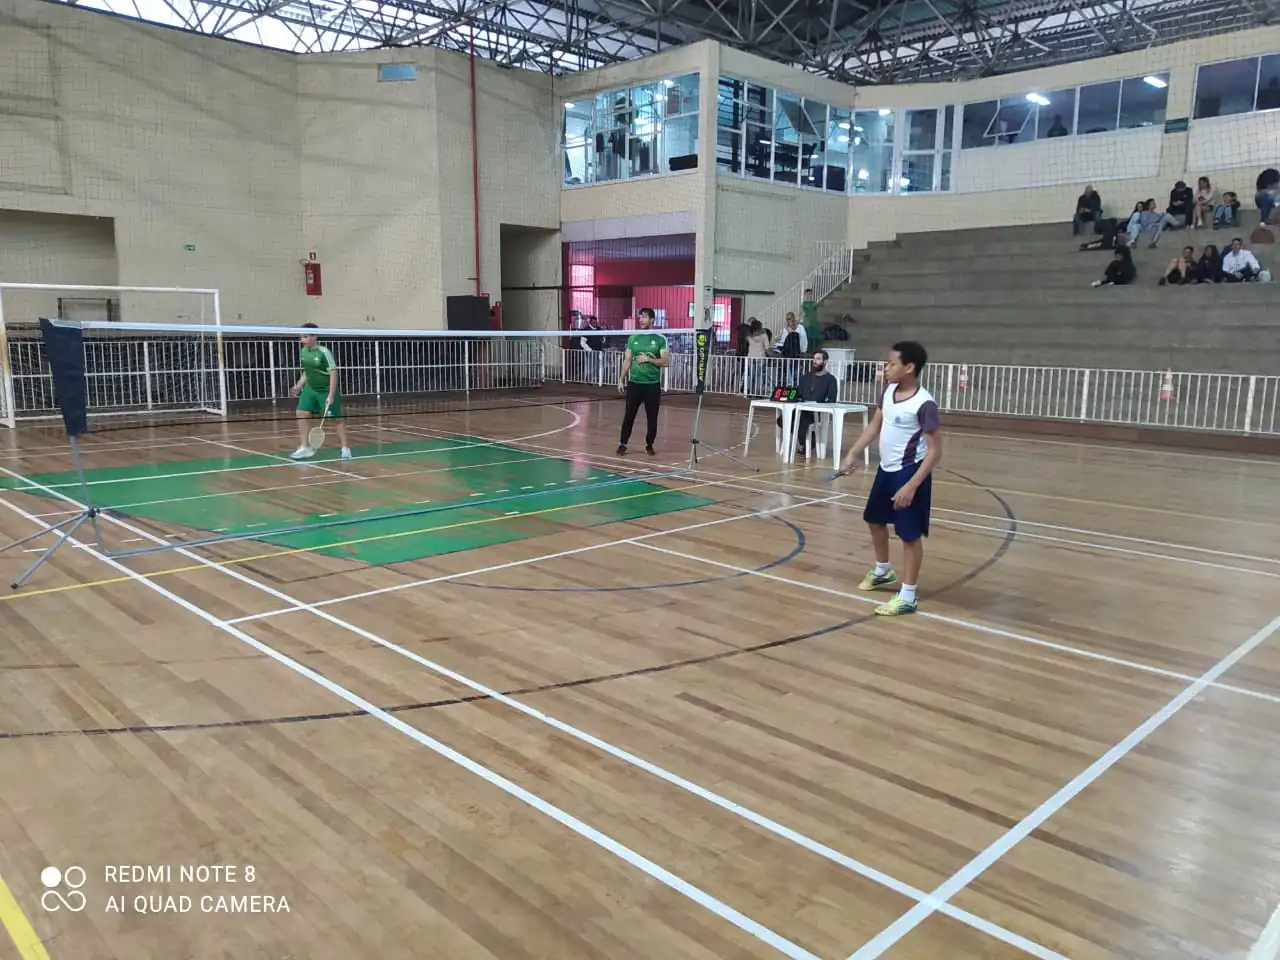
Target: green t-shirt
(809,310)
(651,345)
(317,363)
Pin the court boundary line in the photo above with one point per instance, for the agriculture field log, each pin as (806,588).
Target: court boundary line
(963,877)
(1268,945)
(853,865)
(792,484)
(599,838)
(969,624)
(16,923)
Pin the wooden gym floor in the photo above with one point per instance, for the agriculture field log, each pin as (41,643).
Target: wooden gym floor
(649,718)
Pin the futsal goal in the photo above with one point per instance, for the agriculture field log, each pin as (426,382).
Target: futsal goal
(171,370)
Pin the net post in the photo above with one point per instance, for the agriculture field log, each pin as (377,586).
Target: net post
(8,410)
(222,359)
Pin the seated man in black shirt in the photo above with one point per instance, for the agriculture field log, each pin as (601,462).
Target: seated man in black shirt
(816,386)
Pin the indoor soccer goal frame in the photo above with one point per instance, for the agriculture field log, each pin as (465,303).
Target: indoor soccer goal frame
(10,416)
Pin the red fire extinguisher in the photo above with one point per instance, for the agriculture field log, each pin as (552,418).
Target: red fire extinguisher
(311,278)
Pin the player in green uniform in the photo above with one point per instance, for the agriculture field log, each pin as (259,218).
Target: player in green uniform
(641,379)
(317,391)
(812,328)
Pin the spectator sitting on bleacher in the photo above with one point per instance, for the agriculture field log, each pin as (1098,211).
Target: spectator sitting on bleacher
(1227,213)
(1120,271)
(1180,267)
(1209,266)
(1152,220)
(1204,203)
(1182,201)
(1088,209)
(1268,192)
(1240,265)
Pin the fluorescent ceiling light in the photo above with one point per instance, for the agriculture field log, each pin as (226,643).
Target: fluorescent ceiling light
(1038,98)
(857,130)
(842,139)
(568,105)
(885,111)
(1155,82)
(863,175)
(843,124)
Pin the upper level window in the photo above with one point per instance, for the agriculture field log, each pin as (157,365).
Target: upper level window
(1237,86)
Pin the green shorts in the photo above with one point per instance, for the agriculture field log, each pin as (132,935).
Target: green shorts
(313,401)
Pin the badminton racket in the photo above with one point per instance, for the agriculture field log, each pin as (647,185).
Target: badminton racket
(315,439)
(833,476)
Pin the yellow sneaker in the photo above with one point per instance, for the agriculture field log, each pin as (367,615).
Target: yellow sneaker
(872,581)
(896,607)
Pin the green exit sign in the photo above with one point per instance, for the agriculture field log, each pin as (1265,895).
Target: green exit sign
(190,248)
(1180,125)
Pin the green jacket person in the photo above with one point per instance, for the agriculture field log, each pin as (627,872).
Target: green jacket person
(317,392)
(641,379)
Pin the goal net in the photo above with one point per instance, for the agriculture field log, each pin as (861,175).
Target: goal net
(127,374)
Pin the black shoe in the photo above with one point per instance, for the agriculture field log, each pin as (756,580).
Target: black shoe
(648,448)
(622,448)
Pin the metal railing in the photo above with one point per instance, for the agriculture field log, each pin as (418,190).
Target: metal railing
(835,267)
(137,374)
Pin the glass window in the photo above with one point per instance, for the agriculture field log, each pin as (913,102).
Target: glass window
(975,121)
(872,154)
(1143,101)
(1099,107)
(948,139)
(813,143)
(681,95)
(917,172)
(786,138)
(1223,89)
(642,133)
(839,139)
(758,112)
(577,142)
(922,130)
(919,158)
(1055,113)
(730,114)
(1269,83)
(1015,121)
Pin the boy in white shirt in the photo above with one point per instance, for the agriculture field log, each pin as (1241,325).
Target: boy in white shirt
(910,448)
(1240,265)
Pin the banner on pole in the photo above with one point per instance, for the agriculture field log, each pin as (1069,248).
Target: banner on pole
(702,354)
(64,347)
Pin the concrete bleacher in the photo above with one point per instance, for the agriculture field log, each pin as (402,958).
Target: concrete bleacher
(1023,295)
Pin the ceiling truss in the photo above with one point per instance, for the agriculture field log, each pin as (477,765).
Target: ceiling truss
(858,41)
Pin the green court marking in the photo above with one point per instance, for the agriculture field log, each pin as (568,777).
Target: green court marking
(475,479)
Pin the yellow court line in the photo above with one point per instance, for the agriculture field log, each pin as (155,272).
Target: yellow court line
(23,935)
(191,568)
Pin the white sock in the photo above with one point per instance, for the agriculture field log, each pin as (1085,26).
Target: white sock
(883,568)
(908,593)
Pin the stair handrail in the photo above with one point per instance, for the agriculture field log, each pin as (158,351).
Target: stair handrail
(835,267)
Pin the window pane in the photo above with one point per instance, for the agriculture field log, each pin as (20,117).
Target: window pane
(922,129)
(873,126)
(680,143)
(612,120)
(1099,107)
(646,123)
(839,137)
(946,171)
(1269,83)
(975,120)
(872,168)
(729,149)
(577,136)
(948,135)
(681,95)
(1058,118)
(917,172)
(1142,104)
(786,138)
(1225,88)
(1014,121)
(813,141)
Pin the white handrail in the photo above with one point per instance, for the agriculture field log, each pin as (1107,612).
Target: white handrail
(835,267)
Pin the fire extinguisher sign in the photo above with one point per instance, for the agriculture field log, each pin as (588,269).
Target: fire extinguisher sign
(311,279)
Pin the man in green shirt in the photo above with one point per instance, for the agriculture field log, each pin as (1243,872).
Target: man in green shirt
(641,379)
(317,392)
(812,329)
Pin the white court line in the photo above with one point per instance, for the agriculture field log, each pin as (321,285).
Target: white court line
(318,464)
(793,485)
(626,854)
(964,624)
(445,578)
(1025,827)
(1268,945)
(676,780)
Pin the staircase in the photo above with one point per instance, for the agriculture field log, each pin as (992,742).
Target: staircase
(1022,296)
(835,267)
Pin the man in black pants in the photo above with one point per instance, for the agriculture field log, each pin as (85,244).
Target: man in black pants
(641,379)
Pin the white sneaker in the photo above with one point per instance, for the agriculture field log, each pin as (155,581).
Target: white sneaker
(303,453)
(346,453)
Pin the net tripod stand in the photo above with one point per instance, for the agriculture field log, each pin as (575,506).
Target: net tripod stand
(702,355)
(65,350)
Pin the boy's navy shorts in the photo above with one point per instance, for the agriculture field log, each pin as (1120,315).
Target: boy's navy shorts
(909,524)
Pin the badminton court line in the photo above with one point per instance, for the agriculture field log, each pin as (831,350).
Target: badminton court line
(964,624)
(662,875)
(979,864)
(790,484)
(1268,945)
(318,464)
(674,779)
